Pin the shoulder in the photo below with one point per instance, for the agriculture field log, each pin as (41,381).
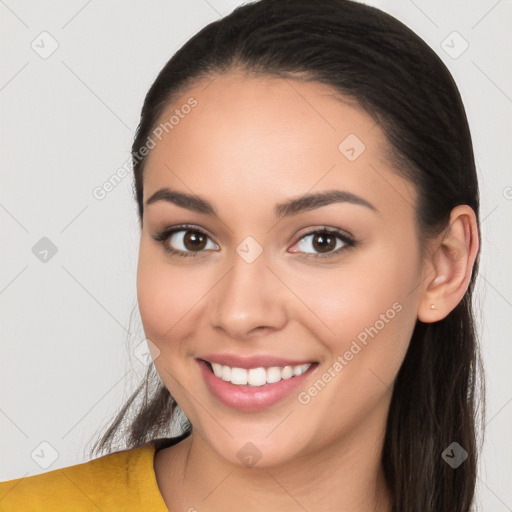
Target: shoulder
(123,480)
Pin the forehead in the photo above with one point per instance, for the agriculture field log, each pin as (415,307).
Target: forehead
(263,138)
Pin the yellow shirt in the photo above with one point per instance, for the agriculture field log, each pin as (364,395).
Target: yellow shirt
(121,481)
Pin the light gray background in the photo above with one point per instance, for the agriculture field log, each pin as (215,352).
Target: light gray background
(69,355)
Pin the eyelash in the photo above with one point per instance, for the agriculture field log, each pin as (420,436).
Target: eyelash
(164,235)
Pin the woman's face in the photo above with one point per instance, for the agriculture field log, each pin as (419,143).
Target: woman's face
(250,282)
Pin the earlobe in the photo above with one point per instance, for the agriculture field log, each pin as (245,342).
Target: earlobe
(450,266)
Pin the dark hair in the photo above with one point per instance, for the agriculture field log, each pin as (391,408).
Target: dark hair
(368,56)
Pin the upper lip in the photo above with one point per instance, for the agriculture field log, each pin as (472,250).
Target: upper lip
(248,362)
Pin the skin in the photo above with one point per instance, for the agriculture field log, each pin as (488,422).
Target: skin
(250,143)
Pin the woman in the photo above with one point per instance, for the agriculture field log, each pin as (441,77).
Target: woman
(308,205)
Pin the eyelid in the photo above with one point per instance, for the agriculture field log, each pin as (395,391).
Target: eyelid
(324,228)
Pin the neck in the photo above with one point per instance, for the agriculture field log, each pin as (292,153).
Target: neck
(344,475)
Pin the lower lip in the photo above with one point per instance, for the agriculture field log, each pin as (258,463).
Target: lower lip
(250,398)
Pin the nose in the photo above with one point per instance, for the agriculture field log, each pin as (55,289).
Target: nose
(249,301)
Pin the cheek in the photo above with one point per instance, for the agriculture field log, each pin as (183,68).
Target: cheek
(169,302)
(366,308)
(371,314)
(168,297)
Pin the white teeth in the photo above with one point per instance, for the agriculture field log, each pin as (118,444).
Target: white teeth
(257,376)
(287,372)
(226,373)
(239,376)
(217,369)
(273,374)
(299,369)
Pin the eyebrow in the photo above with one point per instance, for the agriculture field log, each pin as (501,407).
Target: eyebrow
(288,208)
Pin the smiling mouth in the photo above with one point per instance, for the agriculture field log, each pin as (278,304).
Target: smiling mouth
(256,377)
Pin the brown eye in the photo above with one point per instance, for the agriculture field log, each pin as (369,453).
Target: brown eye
(194,241)
(184,241)
(325,242)
(188,241)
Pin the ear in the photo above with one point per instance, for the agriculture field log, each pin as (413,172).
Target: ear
(449,265)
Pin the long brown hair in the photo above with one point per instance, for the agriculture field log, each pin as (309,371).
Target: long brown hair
(364,54)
